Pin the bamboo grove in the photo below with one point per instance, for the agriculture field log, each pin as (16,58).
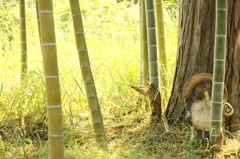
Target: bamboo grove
(151,37)
(45,20)
(153,65)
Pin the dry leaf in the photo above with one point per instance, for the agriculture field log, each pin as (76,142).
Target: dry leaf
(114,129)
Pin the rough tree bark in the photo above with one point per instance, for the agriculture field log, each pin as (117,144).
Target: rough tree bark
(232,78)
(196,49)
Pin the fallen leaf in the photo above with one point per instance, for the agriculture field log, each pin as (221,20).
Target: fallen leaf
(114,129)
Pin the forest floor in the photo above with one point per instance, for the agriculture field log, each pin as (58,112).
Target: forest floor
(132,136)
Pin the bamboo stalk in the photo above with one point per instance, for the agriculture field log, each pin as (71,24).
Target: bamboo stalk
(160,33)
(91,92)
(162,57)
(144,67)
(23,35)
(49,54)
(38,21)
(23,39)
(144,45)
(218,70)
(152,45)
(141,53)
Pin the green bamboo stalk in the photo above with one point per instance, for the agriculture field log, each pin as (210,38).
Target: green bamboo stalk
(218,69)
(160,33)
(144,45)
(91,92)
(54,109)
(38,21)
(141,58)
(23,39)
(152,45)
(144,66)
(141,99)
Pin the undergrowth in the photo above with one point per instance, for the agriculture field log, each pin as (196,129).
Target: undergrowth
(112,34)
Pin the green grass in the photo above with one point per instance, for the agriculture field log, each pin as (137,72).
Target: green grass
(112,32)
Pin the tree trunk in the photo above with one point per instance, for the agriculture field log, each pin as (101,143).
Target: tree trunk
(232,78)
(196,49)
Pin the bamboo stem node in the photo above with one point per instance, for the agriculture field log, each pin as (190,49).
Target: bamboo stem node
(48,44)
(224,9)
(81,32)
(51,76)
(220,35)
(75,15)
(85,66)
(82,50)
(151,28)
(215,120)
(45,11)
(55,135)
(150,10)
(216,102)
(220,60)
(54,106)
(220,83)
(154,62)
